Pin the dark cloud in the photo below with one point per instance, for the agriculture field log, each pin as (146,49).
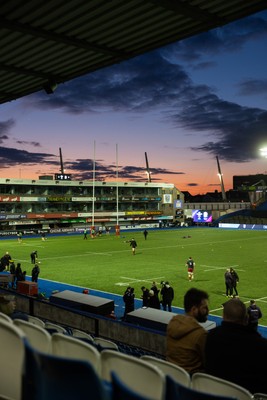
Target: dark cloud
(34,144)
(253,87)
(5,128)
(11,157)
(82,169)
(218,41)
(238,131)
(156,82)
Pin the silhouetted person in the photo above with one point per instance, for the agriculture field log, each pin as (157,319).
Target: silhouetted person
(34,257)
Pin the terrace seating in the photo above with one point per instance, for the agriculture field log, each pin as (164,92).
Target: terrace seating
(179,374)
(82,335)
(70,347)
(36,321)
(56,378)
(12,341)
(120,391)
(105,344)
(5,317)
(140,376)
(175,391)
(38,337)
(210,384)
(52,327)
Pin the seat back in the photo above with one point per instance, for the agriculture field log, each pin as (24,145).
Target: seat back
(54,327)
(5,317)
(70,347)
(179,374)
(120,391)
(211,384)
(57,378)
(12,341)
(260,396)
(105,343)
(36,321)
(177,391)
(82,335)
(140,376)
(38,337)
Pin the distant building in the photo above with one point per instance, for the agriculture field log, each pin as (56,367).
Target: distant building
(50,204)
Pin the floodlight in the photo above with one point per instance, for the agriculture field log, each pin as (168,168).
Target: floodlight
(263,152)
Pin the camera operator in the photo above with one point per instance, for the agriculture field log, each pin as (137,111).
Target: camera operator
(167,294)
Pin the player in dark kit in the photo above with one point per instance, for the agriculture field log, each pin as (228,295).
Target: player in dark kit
(190,264)
(133,245)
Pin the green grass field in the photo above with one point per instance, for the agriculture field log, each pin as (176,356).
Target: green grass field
(107,264)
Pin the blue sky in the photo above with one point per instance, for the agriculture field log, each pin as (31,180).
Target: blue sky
(183,104)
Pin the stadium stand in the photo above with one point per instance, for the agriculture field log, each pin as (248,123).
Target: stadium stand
(210,384)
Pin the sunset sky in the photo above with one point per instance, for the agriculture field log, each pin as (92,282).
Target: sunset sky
(183,105)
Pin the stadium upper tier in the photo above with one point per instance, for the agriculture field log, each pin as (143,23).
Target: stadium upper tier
(48,203)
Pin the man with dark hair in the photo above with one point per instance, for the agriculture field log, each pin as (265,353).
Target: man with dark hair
(167,294)
(145,296)
(128,299)
(8,307)
(186,338)
(231,339)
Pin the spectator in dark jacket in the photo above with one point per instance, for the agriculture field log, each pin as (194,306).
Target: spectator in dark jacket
(153,301)
(235,281)
(34,257)
(128,299)
(231,339)
(228,283)
(254,314)
(167,294)
(145,296)
(35,273)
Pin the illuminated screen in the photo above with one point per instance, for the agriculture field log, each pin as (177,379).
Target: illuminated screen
(62,177)
(201,216)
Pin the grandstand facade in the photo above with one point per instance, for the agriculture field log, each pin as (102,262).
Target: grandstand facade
(49,204)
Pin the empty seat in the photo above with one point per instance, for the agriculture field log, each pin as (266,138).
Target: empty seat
(61,378)
(82,335)
(213,385)
(68,346)
(5,317)
(120,391)
(36,321)
(50,326)
(38,337)
(138,375)
(105,343)
(179,374)
(12,341)
(260,396)
(177,391)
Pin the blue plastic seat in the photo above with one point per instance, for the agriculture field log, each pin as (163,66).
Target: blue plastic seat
(59,378)
(175,390)
(120,391)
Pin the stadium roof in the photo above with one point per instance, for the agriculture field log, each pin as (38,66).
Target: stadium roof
(44,43)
